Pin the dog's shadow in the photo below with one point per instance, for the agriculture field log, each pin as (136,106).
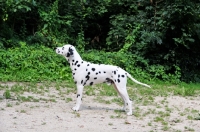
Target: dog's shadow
(99,108)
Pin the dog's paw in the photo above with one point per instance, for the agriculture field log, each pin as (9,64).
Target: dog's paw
(75,108)
(129,113)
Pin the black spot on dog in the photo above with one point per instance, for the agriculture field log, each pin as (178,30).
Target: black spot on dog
(87,76)
(81,81)
(114,72)
(81,61)
(118,76)
(78,65)
(88,73)
(63,48)
(72,60)
(107,79)
(118,80)
(97,73)
(75,69)
(93,69)
(95,78)
(115,80)
(75,82)
(86,69)
(71,51)
(122,75)
(104,72)
(88,64)
(76,62)
(91,83)
(73,73)
(78,95)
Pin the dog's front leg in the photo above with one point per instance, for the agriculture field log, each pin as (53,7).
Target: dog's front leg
(79,97)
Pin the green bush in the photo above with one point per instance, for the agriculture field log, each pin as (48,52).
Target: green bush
(40,63)
(32,63)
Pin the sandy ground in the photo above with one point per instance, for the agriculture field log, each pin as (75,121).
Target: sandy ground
(46,116)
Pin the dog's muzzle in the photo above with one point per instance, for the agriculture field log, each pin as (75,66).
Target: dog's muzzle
(57,50)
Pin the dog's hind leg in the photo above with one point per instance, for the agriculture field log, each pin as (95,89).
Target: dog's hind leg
(124,108)
(79,97)
(127,102)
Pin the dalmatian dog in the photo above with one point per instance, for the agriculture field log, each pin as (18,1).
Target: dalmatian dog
(86,73)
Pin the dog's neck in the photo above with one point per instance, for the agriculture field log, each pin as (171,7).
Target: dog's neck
(74,59)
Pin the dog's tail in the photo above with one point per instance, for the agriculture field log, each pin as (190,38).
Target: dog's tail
(137,81)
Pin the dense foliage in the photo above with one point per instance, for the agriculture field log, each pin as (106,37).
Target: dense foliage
(32,63)
(151,39)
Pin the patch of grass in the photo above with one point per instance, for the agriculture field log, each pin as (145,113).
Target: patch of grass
(163,114)
(107,90)
(149,124)
(189,117)
(89,90)
(44,99)
(22,111)
(9,105)
(182,114)
(184,91)
(44,123)
(118,111)
(17,88)
(117,116)
(168,109)
(158,119)
(110,124)
(165,123)
(176,120)
(76,114)
(17,103)
(25,99)
(137,112)
(52,100)
(165,128)
(118,101)
(35,100)
(7,94)
(102,100)
(194,111)
(189,129)
(68,100)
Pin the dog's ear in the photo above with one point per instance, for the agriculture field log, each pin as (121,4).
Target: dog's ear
(70,52)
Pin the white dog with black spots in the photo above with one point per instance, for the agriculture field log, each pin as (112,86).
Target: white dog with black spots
(86,73)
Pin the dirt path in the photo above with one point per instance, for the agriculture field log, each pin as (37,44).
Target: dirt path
(174,114)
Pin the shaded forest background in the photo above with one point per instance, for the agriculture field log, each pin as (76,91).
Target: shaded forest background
(151,39)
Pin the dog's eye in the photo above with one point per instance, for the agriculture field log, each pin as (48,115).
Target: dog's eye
(63,48)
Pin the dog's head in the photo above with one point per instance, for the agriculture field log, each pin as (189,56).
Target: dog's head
(66,50)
